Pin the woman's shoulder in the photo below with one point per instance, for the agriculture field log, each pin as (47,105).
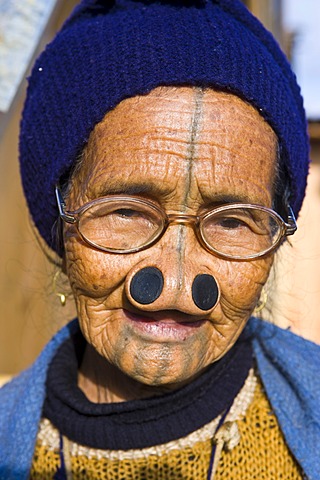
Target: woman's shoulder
(21,401)
(289,369)
(5,379)
(282,351)
(269,332)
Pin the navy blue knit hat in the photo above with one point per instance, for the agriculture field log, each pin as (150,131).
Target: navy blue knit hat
(111,50)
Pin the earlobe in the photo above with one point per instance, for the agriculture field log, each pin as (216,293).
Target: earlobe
(64,263)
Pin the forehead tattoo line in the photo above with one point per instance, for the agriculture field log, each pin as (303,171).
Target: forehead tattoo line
(191,154)
(194,130)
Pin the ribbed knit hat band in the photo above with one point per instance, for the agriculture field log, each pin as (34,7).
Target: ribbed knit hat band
(109,51)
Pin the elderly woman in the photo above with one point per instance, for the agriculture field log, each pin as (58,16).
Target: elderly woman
(164,157)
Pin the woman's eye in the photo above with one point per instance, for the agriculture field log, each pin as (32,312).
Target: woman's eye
(231,223)
(127,212)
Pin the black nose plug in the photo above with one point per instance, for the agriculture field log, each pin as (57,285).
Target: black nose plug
(205,291)
(146,285)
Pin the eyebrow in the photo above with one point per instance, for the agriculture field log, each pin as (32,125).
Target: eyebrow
(155,191)
(136,188)
(224,199)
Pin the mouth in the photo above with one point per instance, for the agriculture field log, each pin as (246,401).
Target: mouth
(165,325)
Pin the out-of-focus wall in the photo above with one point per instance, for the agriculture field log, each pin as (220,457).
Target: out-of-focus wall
(270,14)
(29,310)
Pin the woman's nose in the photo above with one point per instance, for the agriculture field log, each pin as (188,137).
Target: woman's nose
(175,275)
(153,289)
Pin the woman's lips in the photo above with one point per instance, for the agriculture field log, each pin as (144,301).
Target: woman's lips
(164,327)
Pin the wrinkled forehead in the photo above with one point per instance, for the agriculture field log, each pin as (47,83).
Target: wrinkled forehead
(189,133)
(166,104)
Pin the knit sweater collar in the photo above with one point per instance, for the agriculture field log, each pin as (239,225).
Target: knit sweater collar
(140,423)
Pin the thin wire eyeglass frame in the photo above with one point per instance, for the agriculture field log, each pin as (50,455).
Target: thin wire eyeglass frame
(196,221)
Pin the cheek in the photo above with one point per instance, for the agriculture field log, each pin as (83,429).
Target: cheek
(241,284)
(93,273)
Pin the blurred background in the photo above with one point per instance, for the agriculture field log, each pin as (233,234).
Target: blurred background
(30,310)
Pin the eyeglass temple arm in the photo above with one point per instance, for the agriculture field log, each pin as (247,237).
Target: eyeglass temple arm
(291,224)
(62,207)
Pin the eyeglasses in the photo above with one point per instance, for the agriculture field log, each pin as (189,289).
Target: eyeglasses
(123,224)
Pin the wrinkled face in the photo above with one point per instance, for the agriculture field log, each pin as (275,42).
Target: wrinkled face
(185,150)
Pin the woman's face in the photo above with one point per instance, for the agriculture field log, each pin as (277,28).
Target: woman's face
(185,150)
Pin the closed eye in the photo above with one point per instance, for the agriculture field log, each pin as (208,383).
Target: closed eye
(127,212)
(232,223)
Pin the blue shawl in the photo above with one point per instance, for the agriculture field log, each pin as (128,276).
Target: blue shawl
(289,367)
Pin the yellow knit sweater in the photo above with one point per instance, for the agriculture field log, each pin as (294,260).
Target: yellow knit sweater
(259,453)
